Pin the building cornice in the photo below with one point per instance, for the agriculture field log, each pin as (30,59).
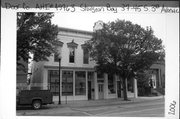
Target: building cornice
(76,36)
(75,31)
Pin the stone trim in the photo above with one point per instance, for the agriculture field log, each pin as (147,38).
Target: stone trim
(72,44)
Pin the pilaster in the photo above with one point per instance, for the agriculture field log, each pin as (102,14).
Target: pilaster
(115,83)
(105,86)
(95,86)
(135,88)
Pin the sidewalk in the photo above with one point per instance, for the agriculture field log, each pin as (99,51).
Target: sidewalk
(90,103)
(87,107)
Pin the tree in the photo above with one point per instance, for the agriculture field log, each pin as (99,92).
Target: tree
(35,35)
(124,48)
(143,81)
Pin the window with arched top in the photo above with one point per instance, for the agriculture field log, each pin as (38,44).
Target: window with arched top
(72,46)
(71,55)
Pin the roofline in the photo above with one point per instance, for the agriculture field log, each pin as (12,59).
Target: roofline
(75,30)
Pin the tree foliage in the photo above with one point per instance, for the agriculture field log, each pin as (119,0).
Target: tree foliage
(35,35)
(143,82)
(124,48)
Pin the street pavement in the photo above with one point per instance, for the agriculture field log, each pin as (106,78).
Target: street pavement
(139,107)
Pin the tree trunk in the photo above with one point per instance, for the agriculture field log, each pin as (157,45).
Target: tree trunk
(124,89)
(119,86)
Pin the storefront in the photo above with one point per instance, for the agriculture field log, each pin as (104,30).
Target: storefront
(80,84)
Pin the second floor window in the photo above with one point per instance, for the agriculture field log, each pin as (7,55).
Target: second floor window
(58,45)
(56,58)
(56,55)
(85,56)
(71,55)
(72,46)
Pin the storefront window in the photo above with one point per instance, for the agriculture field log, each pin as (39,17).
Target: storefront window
(111,84)
(53,81)
(67,82)
(80,83)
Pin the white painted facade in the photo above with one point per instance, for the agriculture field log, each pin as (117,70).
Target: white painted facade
(95,87)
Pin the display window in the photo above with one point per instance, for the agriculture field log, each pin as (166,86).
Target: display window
(67,83)
(80,83)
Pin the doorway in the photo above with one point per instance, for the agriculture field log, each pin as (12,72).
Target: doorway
(154,81)
(101,91)
(89,90)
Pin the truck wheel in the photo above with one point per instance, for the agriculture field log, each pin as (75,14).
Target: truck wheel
(36,104)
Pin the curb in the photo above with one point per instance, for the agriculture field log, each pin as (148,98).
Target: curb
(92,103)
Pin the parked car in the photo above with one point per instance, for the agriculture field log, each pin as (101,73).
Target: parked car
(36,98)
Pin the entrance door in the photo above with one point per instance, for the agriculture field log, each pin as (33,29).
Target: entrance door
(89,90)
(101,91)
(154,80)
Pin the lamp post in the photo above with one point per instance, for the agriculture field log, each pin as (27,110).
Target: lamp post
(59,80)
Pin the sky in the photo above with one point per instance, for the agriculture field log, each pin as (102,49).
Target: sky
(85,21)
